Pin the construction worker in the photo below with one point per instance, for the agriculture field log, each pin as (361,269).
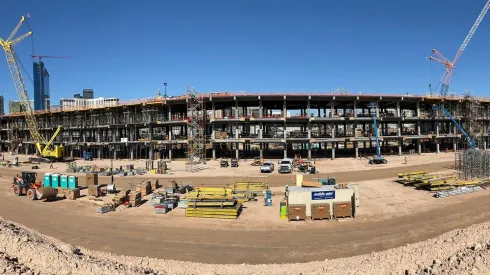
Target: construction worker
(406,161)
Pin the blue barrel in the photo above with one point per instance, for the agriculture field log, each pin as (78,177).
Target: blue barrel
(64,181)
(268,198)
(55,180)
(72,182)
(47,179)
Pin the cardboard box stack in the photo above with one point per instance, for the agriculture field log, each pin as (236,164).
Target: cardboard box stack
(94,190)
(144,188)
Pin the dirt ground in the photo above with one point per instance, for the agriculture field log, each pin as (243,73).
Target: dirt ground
(211,168)
(390,215)
(462,251)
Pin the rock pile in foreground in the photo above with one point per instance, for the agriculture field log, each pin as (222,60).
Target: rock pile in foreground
(464,251)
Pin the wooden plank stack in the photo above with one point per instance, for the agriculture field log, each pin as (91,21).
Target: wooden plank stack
(134,199)
(217,209)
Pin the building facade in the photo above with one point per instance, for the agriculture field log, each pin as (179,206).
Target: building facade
(253,125)
(15,106)
(41,86)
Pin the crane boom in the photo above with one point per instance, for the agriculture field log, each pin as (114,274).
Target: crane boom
(470,141)
(45,148)
(446,79)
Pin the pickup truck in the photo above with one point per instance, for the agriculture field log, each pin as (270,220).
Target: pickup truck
(267,167)
(285,166)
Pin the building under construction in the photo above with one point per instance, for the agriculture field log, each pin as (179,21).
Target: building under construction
(198,126)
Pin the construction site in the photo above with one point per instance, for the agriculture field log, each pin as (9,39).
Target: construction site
(246,183)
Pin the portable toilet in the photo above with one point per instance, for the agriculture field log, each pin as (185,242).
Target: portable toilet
(47,179)
(55,180)
(64,181)
(72,182)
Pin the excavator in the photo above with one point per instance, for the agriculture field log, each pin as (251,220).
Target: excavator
(45,148)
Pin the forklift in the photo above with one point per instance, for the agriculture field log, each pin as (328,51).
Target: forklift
(26,184)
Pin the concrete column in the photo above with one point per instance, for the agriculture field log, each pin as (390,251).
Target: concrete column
(99,152)
(237,151)
(355,109)
(170,153)
(437,147)
(285,150)
(484,145)
(418,128)
(150,152)
(400,144)
(213,110)
(356,149)
(333,151)
(115,153)
(419,146)
(309,150)
(455,145)
(418,109)
(399,130)
(398,111)
(437,128)
(284,107)
(236,107)
(131,152)
(214,153)
(261,109)
(169,109)
(261,152)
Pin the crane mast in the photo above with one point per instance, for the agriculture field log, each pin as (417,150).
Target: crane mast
(450,66)
(45,148)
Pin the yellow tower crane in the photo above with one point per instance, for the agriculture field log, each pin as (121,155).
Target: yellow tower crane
(45,148)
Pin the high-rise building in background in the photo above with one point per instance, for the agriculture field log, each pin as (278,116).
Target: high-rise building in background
(2,106)
(15,106)
(41,86)
(88,93)
(77,96)
(74,103)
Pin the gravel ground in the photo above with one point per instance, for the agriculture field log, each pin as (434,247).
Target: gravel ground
(463,251)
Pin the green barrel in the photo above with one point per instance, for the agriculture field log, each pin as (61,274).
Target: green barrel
(284,210)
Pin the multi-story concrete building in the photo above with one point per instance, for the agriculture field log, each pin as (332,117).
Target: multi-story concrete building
(74,103)
(15,106)
(41,86)
(248,125)
(2,105)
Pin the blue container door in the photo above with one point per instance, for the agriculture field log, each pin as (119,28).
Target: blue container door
(47,180)
(64,182)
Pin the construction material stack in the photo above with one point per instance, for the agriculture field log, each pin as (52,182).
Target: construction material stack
(212,203)
(134,199)
(435,183)
(245,191)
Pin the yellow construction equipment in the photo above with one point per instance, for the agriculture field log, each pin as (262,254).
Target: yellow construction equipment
(45,148)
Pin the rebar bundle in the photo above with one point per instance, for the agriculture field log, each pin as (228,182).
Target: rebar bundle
(473,164)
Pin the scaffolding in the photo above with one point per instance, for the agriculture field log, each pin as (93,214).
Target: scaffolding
(196,125)
(473,164)
(471,111)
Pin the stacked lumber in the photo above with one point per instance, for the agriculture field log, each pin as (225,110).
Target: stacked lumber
(216,193)
(121,197)
(218,209)
(250,189)
(134,199)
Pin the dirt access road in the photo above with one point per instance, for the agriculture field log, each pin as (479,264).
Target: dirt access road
(131,236)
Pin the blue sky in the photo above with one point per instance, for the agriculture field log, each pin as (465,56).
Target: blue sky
(129,49)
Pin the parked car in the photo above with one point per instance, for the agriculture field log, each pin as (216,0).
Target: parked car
(223,163)
(267,167)
(234,163)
